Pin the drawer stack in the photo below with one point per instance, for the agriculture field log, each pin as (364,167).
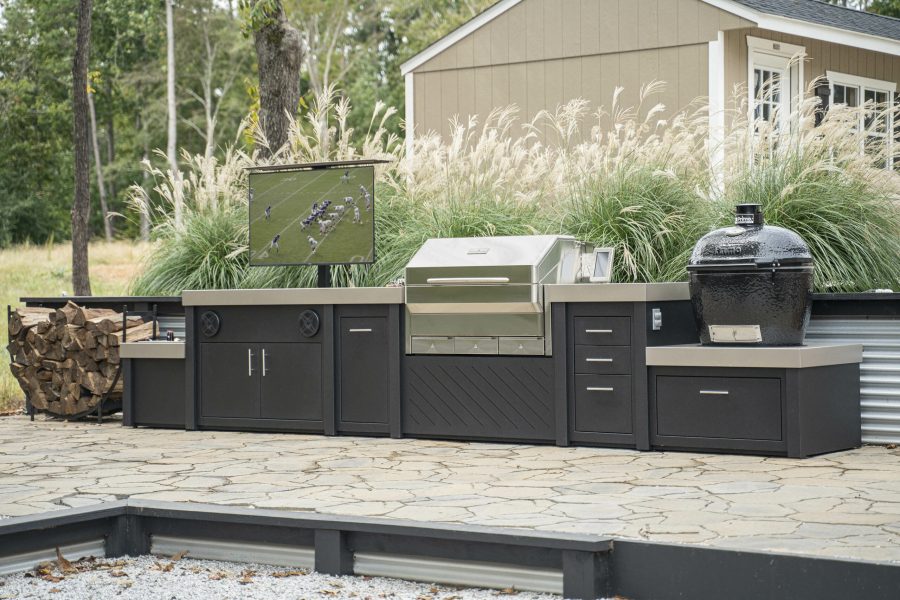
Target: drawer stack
(603,377)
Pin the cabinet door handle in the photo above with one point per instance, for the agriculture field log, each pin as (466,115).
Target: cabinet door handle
(603,360)
(714,392)
(361,330)
(249,362)
(600,389)
(264,370)
(598,330)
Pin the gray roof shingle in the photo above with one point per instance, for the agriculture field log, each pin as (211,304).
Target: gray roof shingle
(822,13)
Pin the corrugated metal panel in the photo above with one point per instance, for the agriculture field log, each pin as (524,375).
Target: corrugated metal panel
(28,560)
(264,554)
(879,371)
(459,572)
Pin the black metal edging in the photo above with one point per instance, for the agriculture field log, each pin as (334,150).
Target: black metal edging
(592,566)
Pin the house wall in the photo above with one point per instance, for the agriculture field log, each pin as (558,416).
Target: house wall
(821,57)
(542,53)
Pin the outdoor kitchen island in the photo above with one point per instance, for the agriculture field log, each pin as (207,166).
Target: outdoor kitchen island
(331,361)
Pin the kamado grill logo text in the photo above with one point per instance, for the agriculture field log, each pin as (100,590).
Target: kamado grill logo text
(729,250)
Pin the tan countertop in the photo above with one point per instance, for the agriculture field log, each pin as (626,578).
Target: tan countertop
(368,295)
(616,292)
(774,357)
(152,349)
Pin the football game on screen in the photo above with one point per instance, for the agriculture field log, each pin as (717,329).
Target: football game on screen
(313,216)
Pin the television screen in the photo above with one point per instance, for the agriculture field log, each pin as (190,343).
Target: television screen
(312,216)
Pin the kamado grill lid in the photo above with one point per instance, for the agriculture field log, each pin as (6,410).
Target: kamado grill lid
(750,244)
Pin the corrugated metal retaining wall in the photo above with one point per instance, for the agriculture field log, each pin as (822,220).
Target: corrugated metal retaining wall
(879,371)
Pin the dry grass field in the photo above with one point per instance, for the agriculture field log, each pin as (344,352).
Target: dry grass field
(47,271)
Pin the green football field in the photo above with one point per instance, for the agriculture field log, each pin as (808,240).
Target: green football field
(291,196)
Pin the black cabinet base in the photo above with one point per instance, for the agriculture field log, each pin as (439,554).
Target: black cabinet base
(496,398)
(784,412)
(154,393)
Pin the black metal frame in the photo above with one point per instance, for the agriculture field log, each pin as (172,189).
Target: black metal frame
(592,566)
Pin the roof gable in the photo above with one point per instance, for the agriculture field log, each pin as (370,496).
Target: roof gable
(832,15)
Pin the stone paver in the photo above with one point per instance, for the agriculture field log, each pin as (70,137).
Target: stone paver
(844,505)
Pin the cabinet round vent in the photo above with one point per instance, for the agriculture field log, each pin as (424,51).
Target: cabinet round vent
(210,323)
(309,323)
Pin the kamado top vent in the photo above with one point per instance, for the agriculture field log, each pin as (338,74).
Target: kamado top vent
(751,283)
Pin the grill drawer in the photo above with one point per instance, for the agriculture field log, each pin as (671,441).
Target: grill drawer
(431,345)
(603,404)
(603,331)
(475,345)
(747,408)
(603,360)
(521,345)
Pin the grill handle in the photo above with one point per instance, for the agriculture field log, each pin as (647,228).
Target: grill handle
(714,392)
(466,280)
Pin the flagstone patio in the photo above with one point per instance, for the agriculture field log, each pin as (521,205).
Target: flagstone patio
(845,504)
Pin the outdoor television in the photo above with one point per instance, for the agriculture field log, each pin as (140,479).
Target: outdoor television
(322,214)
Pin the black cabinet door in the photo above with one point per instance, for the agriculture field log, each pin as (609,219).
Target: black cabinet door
(363,370)
(291,381)
(229,380)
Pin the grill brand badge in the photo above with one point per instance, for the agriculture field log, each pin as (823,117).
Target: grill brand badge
(729,249)
(741,219)
(477,251)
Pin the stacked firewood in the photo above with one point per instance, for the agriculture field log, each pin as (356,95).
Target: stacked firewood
(66,359)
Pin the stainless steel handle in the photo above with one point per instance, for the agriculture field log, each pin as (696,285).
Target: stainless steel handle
(361,330)
(603,360)
(249,362)
(598,330)
(466,280)
(600,389)
(264,362)
(714,392)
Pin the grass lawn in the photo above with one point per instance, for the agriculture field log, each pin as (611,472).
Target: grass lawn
(47,271)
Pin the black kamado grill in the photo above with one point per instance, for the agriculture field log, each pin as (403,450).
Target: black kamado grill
(751,283)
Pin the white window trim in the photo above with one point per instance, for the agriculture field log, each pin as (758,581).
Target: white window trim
(717,111)
(866,83)
(409,117)
(761,49)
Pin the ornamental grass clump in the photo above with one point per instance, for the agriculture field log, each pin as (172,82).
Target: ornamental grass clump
(816,181)
(639,185)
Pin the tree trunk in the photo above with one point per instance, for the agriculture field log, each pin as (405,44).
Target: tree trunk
(98,165)
(279,54)
(172,144)
(81,205)
(145,210)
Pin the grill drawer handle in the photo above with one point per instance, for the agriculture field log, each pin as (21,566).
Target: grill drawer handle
(466,280)
(600,389)
(249,362)
(598,330)
(714,392)
(361,330)
(264,369)
(603,360)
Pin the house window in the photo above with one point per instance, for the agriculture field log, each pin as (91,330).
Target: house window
(775,73)
(876,123)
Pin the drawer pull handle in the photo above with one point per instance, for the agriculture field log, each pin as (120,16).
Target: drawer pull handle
(714,392)
(603,360)
(600,389)
(249,362)
(264,370)
(361,330)
(598,330)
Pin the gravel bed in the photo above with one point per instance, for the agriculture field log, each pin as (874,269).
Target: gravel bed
(151,577)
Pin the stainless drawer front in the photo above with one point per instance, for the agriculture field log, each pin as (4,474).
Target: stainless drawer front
(471,345)
(522,345)
(431,345)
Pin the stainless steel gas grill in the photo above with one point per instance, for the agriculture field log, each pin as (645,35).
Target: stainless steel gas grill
(485,295)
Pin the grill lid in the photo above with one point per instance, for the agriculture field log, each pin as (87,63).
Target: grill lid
(527,259)
(749,245)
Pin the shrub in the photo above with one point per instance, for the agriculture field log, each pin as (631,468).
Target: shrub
(815,181)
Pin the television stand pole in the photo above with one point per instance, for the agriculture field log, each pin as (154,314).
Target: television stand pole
(324,276)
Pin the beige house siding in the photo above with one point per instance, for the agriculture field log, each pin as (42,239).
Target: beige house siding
(542,53)
(821,57)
